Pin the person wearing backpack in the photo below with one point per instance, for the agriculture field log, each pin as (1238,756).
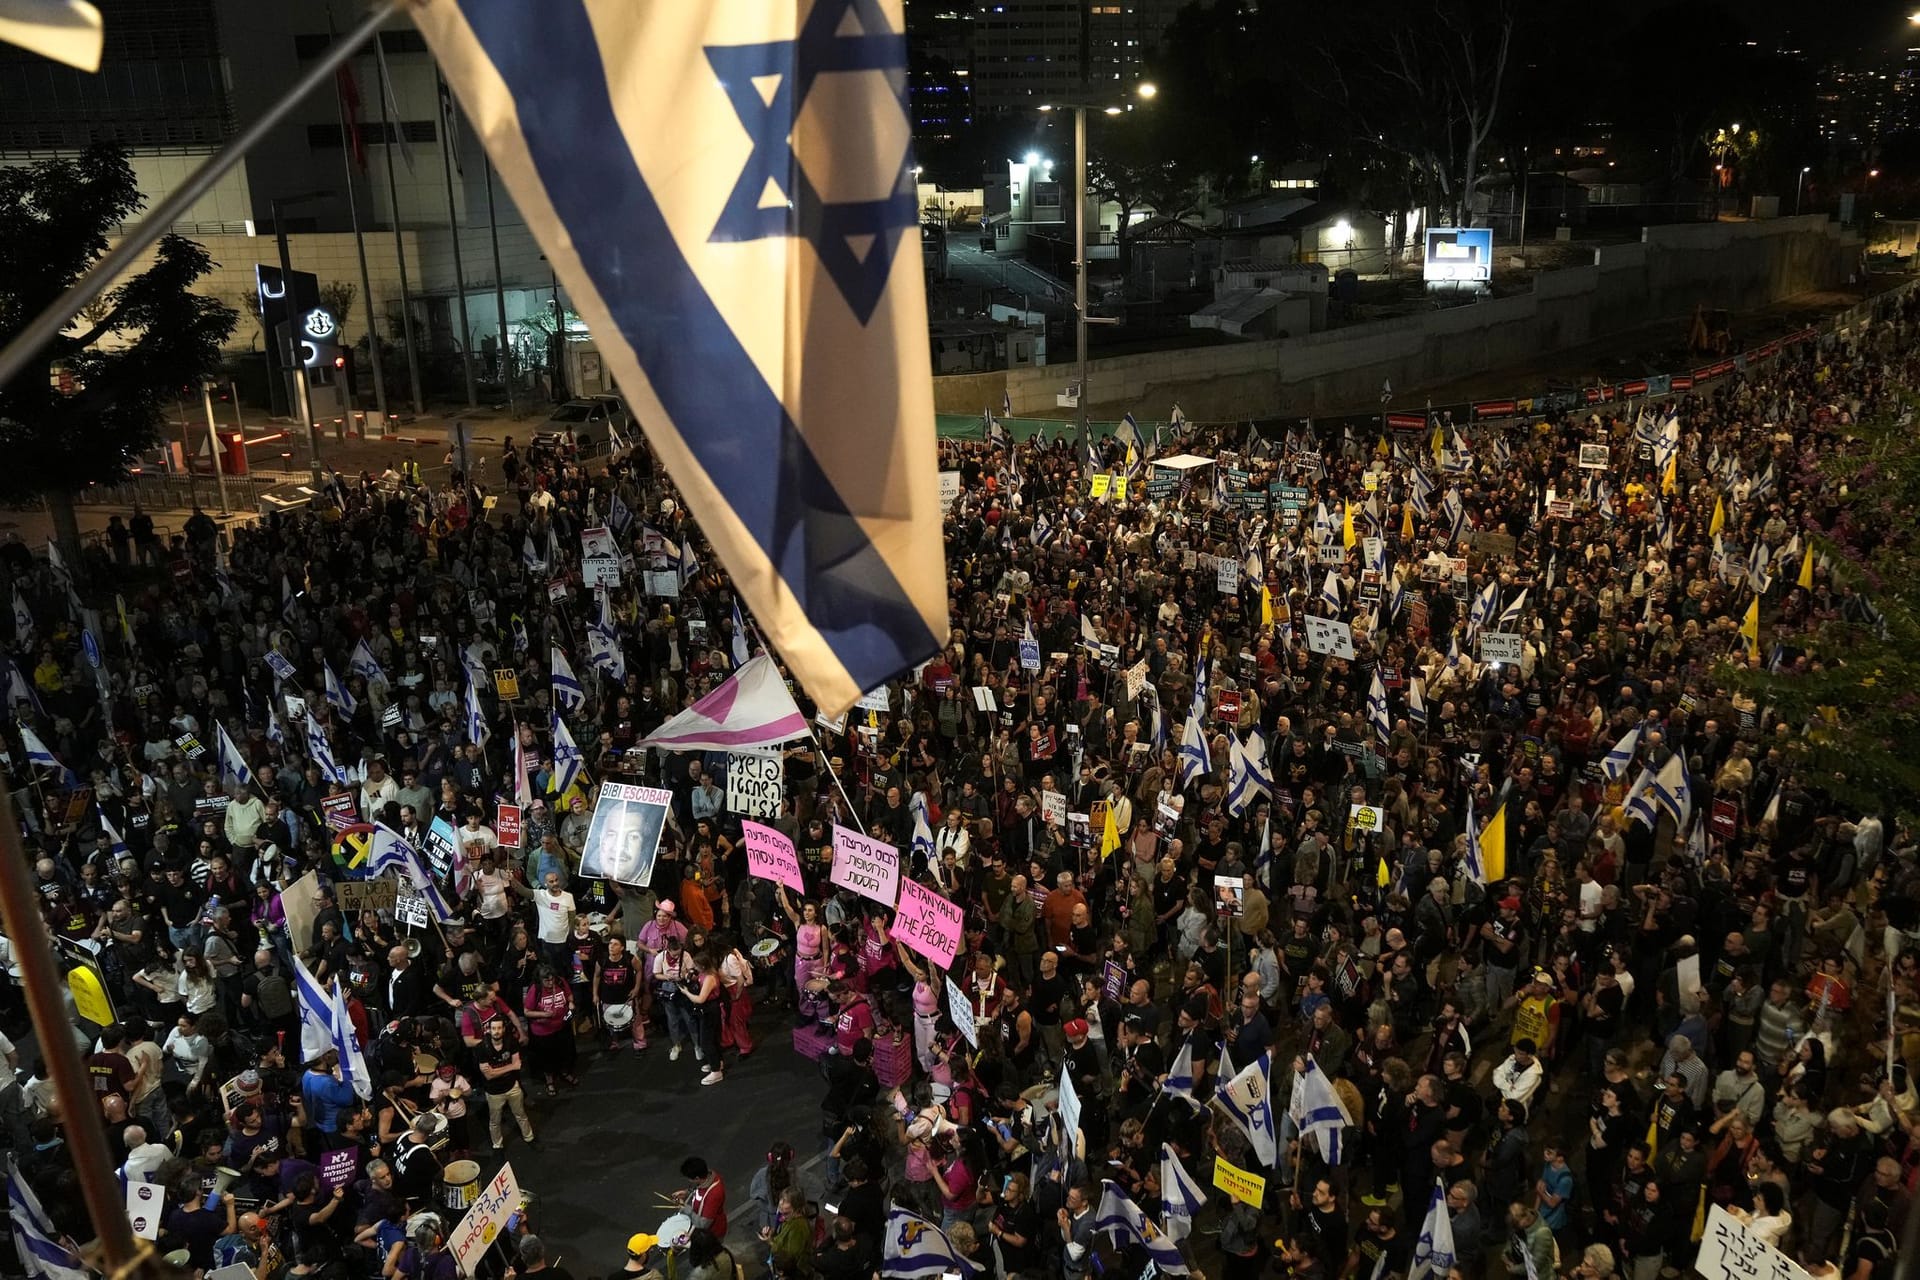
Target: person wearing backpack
(266,997)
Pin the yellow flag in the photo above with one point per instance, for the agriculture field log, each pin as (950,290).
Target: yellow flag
(1750,628)
(1381,877)
(1806,569)
(1439,444)
(1347,535)
(1671,480)
(1719,516)
(1406,520)
(1109,833)
(1266,606)
(1493,847)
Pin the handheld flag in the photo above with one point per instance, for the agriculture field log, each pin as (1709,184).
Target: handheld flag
(23,629)
(568,694)
(1109,834)
(1750,628)
(1433,1251)
(1317,1111)
(42,1254)
(740,651)
(233,765)
(750,708)
(37,752)
(365,665)
(916,1249)
(116,843)
(321,751)
(338,696)
(1493,846)
(390,851)
(1719,520)
(672,160)
(1621,757)
(1640,802)
(1377,714)
(1181,1198)
(1194,759)
(1179,1080)
(477,730)
(568,763)
(1805,580)
(1674,790)
(1248,1099)
(1128,1222)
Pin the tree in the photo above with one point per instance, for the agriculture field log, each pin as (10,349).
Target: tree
(1852,687)
(154,337)
(1131,164)
(1415,88)
(337,296)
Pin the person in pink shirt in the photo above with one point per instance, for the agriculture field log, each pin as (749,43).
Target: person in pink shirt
(855,1022)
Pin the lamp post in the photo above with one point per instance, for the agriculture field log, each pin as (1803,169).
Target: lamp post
(1798,183)
(1145,90)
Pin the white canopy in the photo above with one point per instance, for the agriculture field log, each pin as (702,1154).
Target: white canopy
(1182,462)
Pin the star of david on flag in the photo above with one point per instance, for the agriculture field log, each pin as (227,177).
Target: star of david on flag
(672,160)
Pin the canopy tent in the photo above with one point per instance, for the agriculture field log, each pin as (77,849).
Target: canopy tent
(1181,462)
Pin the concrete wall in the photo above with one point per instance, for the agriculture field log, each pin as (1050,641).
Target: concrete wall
(1666,274)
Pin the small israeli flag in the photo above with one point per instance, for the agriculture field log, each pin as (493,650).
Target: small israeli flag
(338,696)
(568,694)
(740,650)
(233,765)
(477,730)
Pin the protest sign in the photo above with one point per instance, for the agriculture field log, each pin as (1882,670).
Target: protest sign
(624,836)
(754,784)
(339,811)
(875,700)
(871,868)
(1098,485)
(949,489)
(1248,1188)
(770,856)
(1366,817)
(1113,981)
(506,684)
(1226,575)
(438,846)
(191,745)
(378,894)
(485,1220)
(928,923)
(146,1204)
(410,908)
(1595,457)
(1730,1250)
(1324,635)
(1500,646)
(1136,678)
(339,1168)
(1053,808)
(506,826)
(962,1013)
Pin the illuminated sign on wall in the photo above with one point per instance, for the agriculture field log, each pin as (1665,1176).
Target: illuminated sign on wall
(1459,254)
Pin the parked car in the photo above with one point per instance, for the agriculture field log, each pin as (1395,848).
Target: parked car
(592,422)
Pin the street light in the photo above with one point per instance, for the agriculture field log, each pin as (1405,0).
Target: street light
(1798,184)
(1146,89)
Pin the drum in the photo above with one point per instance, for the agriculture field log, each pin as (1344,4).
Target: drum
(674,1231)
(617,1016)
(425,1064)
(437,1136)
(766,952)
(459,1186)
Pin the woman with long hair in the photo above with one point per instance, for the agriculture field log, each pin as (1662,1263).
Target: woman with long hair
(704,994)
(548,1004)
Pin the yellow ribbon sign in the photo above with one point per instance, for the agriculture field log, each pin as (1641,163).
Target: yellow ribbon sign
(1248,1188)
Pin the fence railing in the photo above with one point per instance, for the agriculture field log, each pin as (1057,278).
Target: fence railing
(159,491)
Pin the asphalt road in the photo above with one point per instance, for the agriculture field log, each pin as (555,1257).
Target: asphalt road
(604,1150)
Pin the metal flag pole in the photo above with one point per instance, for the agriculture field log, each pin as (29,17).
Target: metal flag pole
(348,159)
(826,760)
(50,323)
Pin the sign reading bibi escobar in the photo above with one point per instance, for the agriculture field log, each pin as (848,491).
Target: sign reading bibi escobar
(625,834)
(871,868)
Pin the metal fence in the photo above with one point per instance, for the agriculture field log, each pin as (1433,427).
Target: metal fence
(158,491)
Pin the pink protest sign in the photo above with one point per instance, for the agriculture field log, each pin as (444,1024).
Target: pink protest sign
(770,856)
(928,923)
(871,868)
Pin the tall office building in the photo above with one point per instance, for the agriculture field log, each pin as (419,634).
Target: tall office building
(1027,53)
(939,70)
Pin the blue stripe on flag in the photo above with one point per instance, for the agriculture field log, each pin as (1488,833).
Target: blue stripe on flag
(720,406)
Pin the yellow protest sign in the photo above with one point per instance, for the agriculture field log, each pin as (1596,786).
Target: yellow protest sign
(1248,1188)
(506,683)
(1119,488)
(1097,486)
(89,996)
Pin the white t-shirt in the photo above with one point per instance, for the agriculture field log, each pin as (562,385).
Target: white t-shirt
(556,914)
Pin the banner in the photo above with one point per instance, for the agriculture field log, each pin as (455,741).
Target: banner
(1248,1188)
(870,868)
(1730,1250)
(928,923)
(755,784)
(624,836)
(770,856)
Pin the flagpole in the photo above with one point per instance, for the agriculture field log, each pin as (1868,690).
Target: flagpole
(826,761)
(33,950)
(387,139)
(49,324)
(444,103)
(350,154)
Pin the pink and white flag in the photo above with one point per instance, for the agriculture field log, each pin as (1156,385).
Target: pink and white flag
(752,708)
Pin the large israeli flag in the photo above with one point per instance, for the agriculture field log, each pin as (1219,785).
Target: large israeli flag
(676,160)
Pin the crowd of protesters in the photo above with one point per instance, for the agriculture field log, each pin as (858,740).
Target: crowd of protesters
(1652,1005)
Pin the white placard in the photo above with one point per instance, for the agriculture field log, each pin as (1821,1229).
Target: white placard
(1324,635)
(983,699)
(961,1011)
(486,1219)
(875,700)
(600,573)
(146,1205)
(754,784)
(1731,1251)
(1501,646)
(949,489)
(1366,817)
(1053,808)
(871,868)
(1136,678)
(596,543)
(1226,575)
(1595,457)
